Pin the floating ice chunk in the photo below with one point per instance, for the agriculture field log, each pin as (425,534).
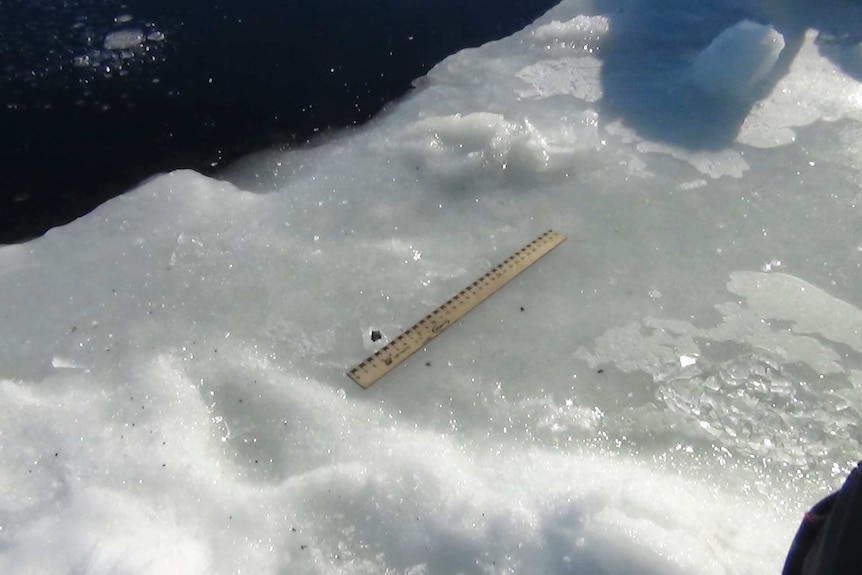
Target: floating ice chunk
(736,63)
(81,60)
(124,39)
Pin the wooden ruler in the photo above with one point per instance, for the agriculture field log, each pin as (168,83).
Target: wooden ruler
(436,322)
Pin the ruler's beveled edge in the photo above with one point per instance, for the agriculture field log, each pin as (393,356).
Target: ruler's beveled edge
(411,340)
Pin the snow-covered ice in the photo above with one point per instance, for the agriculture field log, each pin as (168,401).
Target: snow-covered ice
(664,393)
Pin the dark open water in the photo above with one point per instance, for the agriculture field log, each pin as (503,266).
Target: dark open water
(96,95)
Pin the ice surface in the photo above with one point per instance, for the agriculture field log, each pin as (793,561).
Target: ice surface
(664,393)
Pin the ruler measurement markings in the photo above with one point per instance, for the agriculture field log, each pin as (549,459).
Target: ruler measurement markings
(420,334)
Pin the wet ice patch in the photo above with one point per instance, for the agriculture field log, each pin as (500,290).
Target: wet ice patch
(810,309)
(714,164)
(578,77)
(747,384)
